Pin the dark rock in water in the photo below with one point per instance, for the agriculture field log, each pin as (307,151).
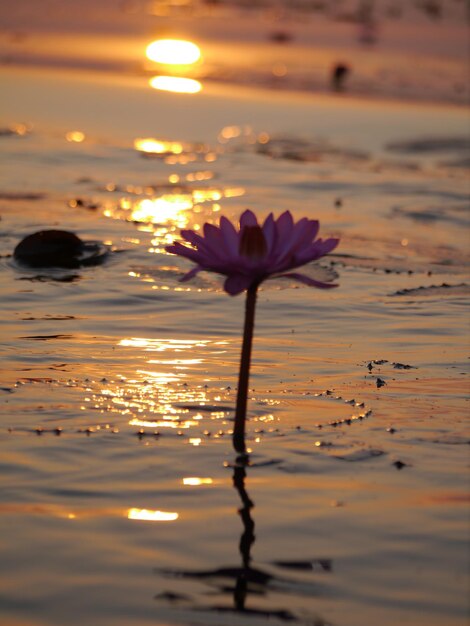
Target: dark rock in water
(58,248)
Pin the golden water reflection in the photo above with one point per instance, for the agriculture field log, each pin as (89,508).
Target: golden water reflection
(163,345)
(158,146)
(152,516)
(168,213)
(179,424)
(166,208)
(175,84)
(183,152)
(172,207)
(163,395)
(195,481)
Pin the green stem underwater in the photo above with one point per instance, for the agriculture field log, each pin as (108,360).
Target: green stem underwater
(244,375)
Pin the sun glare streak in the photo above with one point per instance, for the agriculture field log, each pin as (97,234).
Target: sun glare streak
(175,84)
(194,481)
(151,516)
(166,208)
(162,345)
(165,423)
(173,52)
(157,146)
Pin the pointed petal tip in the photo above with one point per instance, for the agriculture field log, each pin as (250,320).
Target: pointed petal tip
(248,218)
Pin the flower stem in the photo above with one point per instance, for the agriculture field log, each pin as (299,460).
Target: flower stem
(244,375)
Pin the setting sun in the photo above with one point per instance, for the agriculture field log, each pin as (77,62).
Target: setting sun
(173,52)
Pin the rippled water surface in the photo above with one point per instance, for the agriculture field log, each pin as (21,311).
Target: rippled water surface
(121,499)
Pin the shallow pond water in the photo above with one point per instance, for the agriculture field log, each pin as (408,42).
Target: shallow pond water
(121,499)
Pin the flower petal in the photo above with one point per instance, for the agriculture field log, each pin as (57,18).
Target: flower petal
(236,283)
(209,246)
(269,232)
(211,232)
(285,252)
(327,245)
(213,243)
(189,253)
(230,235)
(248,218)
(191,274)
(191,236)
(284,230)
(318,249)
(305,233)
(306,280)
(285,224)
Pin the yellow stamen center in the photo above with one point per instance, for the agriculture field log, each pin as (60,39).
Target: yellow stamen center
(252,243)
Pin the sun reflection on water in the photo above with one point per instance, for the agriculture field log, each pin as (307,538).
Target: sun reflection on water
(151,516)
(162,395)
(163,345)
(158,146)
(166,214)
(166,208)
(195,481)
(179,424)
(175,84)
(170,150)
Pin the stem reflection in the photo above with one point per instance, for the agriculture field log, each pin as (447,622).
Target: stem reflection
(247,538)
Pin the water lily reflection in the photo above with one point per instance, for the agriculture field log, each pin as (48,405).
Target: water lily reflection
(246,590)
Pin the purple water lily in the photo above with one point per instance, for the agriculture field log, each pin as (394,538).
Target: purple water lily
(253,253)
(247,257)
